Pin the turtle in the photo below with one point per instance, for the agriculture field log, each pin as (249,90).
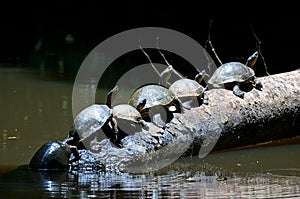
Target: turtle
(53,155)
(235,75)
(190,92)
(155,97)
(129,113)
(129,119)
(91,122)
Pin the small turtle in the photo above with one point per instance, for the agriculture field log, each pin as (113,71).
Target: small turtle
(129,113)
(91,121)
(157,97)
(235,74)
(129,119)
(190,92)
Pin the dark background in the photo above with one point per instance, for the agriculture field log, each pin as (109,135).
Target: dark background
(35,33)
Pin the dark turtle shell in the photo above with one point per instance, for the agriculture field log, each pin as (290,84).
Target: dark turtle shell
(91,119)
(52,155)
(232,72)
(154,95)
(186,88)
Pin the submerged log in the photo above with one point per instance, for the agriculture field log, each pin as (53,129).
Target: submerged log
(262,115)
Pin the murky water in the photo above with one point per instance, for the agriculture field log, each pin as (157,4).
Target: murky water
(35,110)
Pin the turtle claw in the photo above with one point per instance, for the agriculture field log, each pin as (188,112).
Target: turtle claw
(205,100)
(258,85)
(238,92)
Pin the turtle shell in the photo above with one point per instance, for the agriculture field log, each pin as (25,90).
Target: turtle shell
(52,155)
(126,112)
(232,72)
(186,88)
(154,95)
(91,119)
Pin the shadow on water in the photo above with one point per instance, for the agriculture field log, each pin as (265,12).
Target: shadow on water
(34,111)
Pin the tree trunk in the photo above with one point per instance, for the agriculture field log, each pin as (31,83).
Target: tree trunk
(229,121)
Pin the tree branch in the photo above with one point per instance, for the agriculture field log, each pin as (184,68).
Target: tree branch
(210,43)
(148,57)
(258,46)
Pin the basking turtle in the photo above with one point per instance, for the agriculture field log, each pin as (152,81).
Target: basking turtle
(55,155)
(235,74)
(91,122)
(129,113)
(129,119)
(190,92)
(159,106)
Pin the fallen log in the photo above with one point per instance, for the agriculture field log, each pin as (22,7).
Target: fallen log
(229,121)
(226,122)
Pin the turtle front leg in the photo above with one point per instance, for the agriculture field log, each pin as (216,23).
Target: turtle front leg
(68,141)
(143,124)
(237,91)
(257,84)
(114,125)
(204,99)
(75,152)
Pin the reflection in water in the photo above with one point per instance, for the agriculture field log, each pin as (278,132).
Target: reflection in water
(34,111)
(185,178)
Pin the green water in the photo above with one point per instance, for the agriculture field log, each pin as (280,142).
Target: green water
(35,110)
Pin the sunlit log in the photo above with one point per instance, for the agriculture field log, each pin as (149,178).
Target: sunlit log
(262,115)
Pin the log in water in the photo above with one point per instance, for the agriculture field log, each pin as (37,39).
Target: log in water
(262,115)
(226,122)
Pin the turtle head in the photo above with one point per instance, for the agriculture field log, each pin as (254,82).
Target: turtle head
(200,76)
(141,105)
(252,59)
(73,136)
(109,96)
